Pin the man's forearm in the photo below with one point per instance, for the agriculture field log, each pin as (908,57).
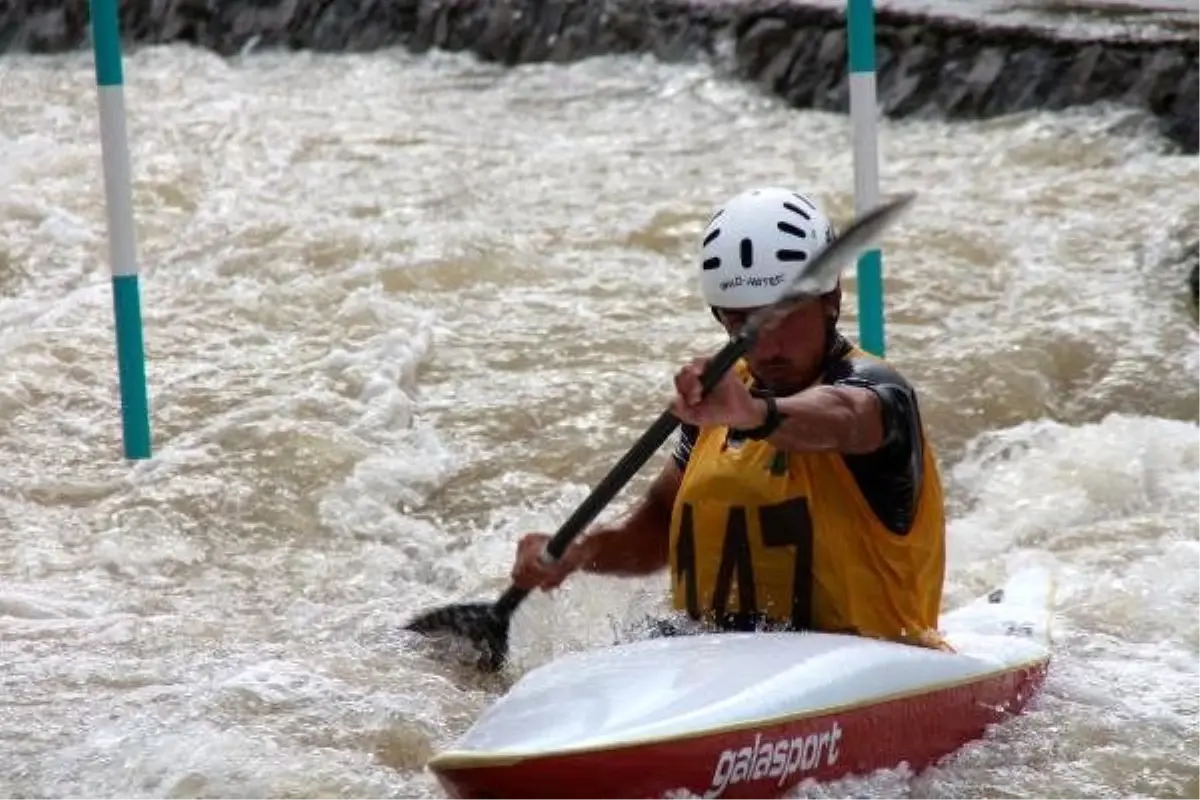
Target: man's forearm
(826,418)
(640,543)
(635,547)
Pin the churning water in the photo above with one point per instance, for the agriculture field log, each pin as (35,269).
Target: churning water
(399,310)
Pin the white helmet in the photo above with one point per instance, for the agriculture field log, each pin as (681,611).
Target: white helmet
(755,244)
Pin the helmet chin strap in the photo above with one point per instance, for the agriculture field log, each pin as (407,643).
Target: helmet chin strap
(833,299)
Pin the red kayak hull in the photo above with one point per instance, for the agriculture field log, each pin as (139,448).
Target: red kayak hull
(768,759)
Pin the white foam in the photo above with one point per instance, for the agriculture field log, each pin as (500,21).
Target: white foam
(1052,486)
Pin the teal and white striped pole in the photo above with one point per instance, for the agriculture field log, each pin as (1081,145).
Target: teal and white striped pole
(122,249)
(860,23)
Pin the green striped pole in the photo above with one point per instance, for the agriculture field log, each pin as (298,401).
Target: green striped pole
(122,248)
(860,23)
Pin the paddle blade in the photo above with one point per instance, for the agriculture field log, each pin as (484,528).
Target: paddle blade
(476,624)
(862,234)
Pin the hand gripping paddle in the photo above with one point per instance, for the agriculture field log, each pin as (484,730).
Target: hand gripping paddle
(486,624)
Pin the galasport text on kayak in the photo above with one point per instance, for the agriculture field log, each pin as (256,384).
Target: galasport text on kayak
(780,759)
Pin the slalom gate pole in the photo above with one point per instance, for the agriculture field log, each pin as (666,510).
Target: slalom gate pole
(122,247)
(860,25)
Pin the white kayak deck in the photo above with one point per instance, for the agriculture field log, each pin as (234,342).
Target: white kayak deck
(689,685)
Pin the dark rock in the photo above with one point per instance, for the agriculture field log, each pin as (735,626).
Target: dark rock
(1182,116)
(1030,79)
(987,60)
(903,88)
(1194,283)
(765,54)
(1188,262)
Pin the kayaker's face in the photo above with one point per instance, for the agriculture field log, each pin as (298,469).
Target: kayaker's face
(787,355)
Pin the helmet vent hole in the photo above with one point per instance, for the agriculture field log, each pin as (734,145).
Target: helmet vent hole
(795,209)
(747,253)
(791,255)
(713,235)
(712,263)
(789,228)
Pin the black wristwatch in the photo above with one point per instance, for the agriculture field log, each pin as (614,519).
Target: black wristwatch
(770,424)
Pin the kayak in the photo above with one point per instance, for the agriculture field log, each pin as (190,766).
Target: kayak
(755,714)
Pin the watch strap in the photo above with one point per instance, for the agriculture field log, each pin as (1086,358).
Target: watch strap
(770,424)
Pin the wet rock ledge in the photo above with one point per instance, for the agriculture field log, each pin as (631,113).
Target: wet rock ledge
(989,60)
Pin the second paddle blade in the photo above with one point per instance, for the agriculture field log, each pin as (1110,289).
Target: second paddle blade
(475,623)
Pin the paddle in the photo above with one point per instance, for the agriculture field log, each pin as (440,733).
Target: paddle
(486,624)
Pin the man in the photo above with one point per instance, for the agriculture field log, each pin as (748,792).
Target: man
(803,493)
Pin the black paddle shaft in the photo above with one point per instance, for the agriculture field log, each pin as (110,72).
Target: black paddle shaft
(624,470)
